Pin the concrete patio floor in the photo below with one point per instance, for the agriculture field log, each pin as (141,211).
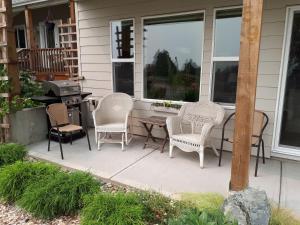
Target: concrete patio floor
(151,170)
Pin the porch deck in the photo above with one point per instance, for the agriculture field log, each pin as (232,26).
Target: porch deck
(149,169)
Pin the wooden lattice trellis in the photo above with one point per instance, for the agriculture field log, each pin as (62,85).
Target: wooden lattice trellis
(8,57)
(68,41)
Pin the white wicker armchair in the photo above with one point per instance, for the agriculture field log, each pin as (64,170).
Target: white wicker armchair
(111,116)
(190,130)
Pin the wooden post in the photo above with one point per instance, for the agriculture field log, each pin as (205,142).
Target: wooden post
(8,57)
(246,93)
(72,11)
(29,29)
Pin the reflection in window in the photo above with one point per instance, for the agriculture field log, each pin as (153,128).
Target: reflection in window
(123,77)
(172,57)
(226,55)
(225,82)
(122,38)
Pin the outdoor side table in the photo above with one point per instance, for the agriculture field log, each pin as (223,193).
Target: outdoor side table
(149,123)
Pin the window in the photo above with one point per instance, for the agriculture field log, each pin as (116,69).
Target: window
(122,42)
(172,52)
(20,34)
(49,34)
(225,60)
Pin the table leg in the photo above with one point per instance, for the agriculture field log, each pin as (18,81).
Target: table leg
(165,140)
(149,130)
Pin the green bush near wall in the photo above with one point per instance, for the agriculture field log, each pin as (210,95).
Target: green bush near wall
(10,153)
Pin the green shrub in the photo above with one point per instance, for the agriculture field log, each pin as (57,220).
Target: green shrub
(10,153)
(158,208)
(109,209)
(197,217)
(283,217)
(208,202)
(58,195)
(16,177)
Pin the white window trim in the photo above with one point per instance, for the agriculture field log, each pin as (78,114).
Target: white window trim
(25,34)
(219,59)
(284,151)
(142,53)
(114,60)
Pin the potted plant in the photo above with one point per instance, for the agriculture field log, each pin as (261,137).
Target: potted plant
(166,107)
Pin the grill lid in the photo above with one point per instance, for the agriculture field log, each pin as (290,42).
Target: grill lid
(61,88)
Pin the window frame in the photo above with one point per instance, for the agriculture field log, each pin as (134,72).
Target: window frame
(142,52)
(16,28)
(218,58)
(129,60)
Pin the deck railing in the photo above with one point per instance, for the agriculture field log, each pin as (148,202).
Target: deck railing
(42,60)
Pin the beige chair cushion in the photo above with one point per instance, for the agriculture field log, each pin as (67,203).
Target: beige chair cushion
(69,128)
(111,127)
(254,140)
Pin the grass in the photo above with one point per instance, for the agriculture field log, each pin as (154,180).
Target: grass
(204,201)
(58,195)
(109,209)
(10,153)
(16,177)
(283,217)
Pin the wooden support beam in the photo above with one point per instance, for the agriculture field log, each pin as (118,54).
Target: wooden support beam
(29,29)
(10,53)
(246,92)
(72,11)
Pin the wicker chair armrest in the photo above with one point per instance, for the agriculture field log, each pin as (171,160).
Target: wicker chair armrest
(206,130)
(174,125)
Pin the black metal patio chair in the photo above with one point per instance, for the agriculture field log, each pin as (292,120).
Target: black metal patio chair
(261,121)
(59,120)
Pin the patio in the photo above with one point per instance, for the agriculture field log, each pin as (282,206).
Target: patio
(151,170)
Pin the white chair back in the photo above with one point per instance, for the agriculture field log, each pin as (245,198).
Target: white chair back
(198,113)
(114,108)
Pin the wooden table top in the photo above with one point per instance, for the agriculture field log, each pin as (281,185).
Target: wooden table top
(155,120)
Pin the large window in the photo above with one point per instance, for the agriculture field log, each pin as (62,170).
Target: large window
(122,42)
(20,34)
(227,29)
(172,52)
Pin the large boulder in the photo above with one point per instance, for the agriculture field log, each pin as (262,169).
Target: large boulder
(248,207)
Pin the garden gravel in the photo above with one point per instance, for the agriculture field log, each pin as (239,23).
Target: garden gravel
(12,215)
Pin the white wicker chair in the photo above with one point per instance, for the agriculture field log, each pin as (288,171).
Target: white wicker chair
(190,130)
(111,116)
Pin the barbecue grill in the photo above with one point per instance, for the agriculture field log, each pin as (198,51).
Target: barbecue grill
(68,92)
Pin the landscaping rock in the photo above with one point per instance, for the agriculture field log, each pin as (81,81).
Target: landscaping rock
(249,207)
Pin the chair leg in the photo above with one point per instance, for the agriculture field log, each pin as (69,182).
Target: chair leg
(221,152)
(88,139)
(214,149)
(71,138)
(98,141)
(257,159)
(171,147)
(123,141)
(201,156)
(60,146)
(49,139)
(263,151)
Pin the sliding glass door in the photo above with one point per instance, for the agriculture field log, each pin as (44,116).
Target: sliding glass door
(288,137)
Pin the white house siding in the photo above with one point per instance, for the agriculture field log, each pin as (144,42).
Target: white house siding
(93,17)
